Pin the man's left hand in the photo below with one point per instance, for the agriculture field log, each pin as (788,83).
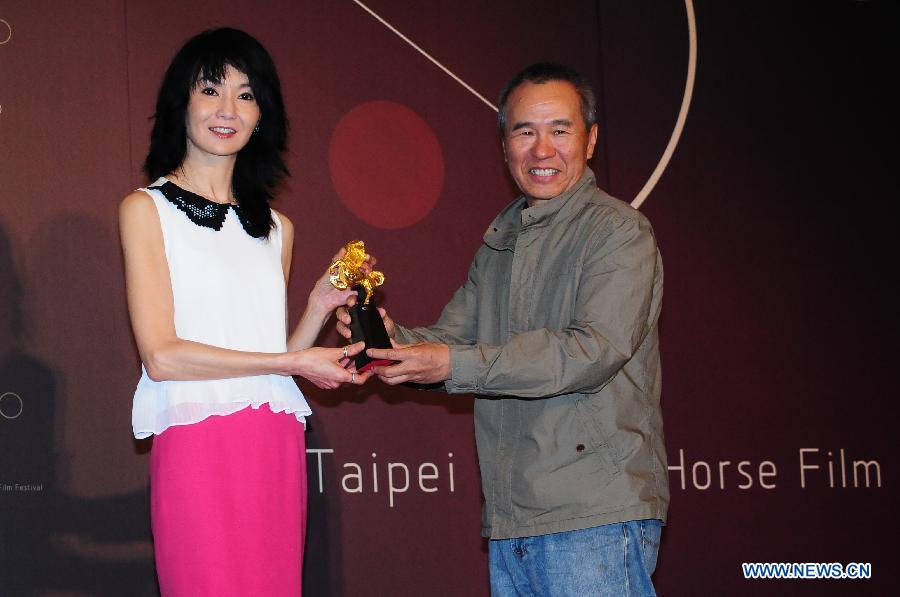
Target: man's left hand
(423,363)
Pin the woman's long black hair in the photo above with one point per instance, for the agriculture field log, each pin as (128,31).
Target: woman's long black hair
(259,167)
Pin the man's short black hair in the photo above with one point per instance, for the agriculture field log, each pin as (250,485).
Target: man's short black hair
(542,72)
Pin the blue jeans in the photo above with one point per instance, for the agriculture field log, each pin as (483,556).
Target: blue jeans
(614,560)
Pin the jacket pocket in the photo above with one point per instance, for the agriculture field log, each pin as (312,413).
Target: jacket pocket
(558,472)
(592,420)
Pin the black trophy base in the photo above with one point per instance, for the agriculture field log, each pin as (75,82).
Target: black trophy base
(366,324)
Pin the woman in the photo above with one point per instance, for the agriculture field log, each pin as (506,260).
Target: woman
(207,263)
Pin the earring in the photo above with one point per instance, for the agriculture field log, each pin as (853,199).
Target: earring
(256,129)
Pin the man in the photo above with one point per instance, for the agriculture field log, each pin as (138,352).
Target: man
(555,332)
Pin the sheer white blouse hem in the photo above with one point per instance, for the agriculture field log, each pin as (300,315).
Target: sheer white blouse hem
(160,405)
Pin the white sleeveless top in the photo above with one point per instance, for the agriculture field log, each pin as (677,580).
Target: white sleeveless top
(229,291)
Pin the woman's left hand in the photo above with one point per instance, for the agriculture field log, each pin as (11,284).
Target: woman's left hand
(325,298)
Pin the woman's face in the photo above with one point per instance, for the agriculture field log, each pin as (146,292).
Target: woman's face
(221,116)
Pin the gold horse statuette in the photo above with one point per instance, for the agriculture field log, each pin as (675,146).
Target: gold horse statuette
(348,271)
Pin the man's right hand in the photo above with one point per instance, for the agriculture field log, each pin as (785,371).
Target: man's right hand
(343,320)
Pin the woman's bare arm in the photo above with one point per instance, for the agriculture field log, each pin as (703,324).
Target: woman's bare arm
(323,298)
(151,308)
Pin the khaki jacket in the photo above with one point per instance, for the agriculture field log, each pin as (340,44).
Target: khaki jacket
(555,332)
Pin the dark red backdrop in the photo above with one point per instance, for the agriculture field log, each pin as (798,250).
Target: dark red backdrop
(773,217)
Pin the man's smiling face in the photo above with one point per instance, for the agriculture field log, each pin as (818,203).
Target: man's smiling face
(546,141)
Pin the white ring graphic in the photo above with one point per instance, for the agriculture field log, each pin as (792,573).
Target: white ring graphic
(21,406)
(679,122)
(9,29)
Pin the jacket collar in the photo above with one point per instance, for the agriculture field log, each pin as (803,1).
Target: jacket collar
(504,230)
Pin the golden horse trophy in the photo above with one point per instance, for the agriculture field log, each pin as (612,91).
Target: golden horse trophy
(365,322)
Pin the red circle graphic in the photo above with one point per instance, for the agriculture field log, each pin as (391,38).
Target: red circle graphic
(386,164)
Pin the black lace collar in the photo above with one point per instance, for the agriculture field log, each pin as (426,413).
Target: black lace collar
(200,210)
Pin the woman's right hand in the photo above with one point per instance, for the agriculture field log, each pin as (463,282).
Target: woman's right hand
(327,367)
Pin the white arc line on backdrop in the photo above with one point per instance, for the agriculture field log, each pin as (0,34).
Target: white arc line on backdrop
(9,29)
(4,42)
(425,54)
(682,113)
(679,122)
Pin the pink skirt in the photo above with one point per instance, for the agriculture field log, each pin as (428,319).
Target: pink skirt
(228,505)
